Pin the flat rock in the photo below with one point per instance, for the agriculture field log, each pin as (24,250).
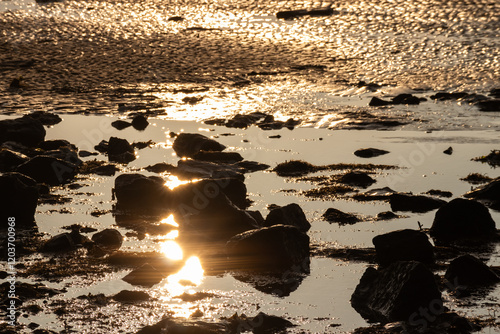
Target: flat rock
(25,130)
(127,296)
(188,144)
(224,157)
(403,245)
(204,169)
(414,203)
(462,219)
(120,124)
(369,152)
(145,275)
(357,178)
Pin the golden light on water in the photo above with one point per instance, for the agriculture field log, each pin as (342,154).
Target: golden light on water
(172,250)
(170,220)
(190,275)
(173,182)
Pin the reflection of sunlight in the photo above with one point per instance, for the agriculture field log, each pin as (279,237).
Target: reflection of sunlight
(172,235)
(172,250)
(190,275)
(173,182)
(170,220)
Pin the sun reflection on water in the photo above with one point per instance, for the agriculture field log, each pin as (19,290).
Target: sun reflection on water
(190,275)
(172,250)
(170,220)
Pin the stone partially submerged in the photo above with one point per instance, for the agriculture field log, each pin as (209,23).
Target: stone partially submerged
(468,270)
(414,203)
(188,144)
(398,292)
(18,199)
(25,130)
(291,215)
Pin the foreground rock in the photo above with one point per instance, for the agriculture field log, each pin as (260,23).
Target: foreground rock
(414,203)
(270,248)
(489,192)
(291,215)
(139,193)
(468,270)
(403,245)
(462,219)
(398,292)
(25,130)
(49,170)
(188,144)
(18,199)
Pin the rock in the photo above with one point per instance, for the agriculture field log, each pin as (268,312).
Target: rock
(188,144)
(160,168)
(290,215)
(25,130)
(176,18)
(492,159)
(468,270)
(291,14)
(251,166)
(403,245)
(489,105)
(202,169)
(336,216)
(448,151)
(120,150)
(50,145)
(356,178)
(46,118)
(140,122)
(139,193)
(462,219)
(274,283)
(369,152)
(18,199)
(207,213)
(267,324)
(66,153)
(49,170)
(269,248)
(414,203)
(294,168)
(489,192)
(184,326)
(244,121)
(386,215)
(376,102)
(108,238)
(449,96)
(398,292)
(405,99)
(120,124)
(440,193)
(127,296)
(375,194)
(145,275)
(64,242)
(224,157)
(9,159)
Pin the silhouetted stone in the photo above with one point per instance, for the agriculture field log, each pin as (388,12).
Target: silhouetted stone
(108,238)
(489,105)
(468,270)
(336,216)
(448,151)
(376,102)
(398,292)
(127,296)
(488,192)
(405,99)
(25,130)
(369,152)
(188,144)
(462,219)
(145,275)
(269,248)
(291,14)
(224,157)
(291,215)
(403,245)
(294,168)
(414,203)
(18,199)
(64,242)
(46,118)
(160,168)
(139,193)
(140,122)
(120,150)
(120,124)
(267,324)
(449,96)
(203,169)
(49,170)
(9,159)
(184,326)
(357,179)
(492,159)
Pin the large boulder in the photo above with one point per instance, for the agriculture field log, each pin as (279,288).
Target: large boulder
(414,203)
(9,159)
(269,248)
(403,245)
(398,292)
(291,215)
(49,170)
(18,199)
(462,219)
(139,193)
(25,130)
(188,144)
(109,238)
(468,270)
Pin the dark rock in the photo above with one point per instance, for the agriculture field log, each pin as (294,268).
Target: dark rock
(291,14)
(257,216)
(275,137)
(224,157)
(140,122)
(18,199)
(377,194)
(139,193)
(120,150)
(405,99)
(386,215)
(25,130)
(290,215)
(102,146)
(269,248)
(64,242)
(414,203)
(46,118)
(492,159)
(267,324)
(294,168)
(184,326)
(145,275)
(468,270)
(462,219)
(49,170)
(176,18)
(292,123)
(120,124)
(398,292)
(50,145)
(203,169)
(440,193)
(188,144)
(489,105)
(403,245)
(143,144)
(376,102)
(448,151)
(97,167)
(449,96)
(336,216)
(108,238)
(320,12)
(280,284)
(356,178)
(9,160)
(488,192)
(66,153)
(251,166)
(476,178)
(244,121)
(369,152)
(160,168)
(127,296)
